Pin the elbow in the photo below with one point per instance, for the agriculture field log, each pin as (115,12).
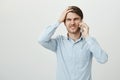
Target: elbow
(103,60)
(43,41)
(40,41)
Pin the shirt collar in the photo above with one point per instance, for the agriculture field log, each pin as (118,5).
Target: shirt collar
(68,38)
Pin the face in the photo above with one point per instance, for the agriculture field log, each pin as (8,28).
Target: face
(72,22)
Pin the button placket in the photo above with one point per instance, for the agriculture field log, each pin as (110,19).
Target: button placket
(74,60)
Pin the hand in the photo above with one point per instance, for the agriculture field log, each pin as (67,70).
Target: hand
(84,29)
(63,15)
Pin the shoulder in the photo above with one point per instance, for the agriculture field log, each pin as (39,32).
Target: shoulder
(91,40)
(60,37)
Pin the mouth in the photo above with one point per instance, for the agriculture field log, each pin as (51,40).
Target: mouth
(72,27)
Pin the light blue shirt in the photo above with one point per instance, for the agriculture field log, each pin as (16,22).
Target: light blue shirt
(74,58)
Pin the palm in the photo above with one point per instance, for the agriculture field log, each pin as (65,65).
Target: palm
(85,29)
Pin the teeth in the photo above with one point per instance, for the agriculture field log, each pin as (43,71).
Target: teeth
(72,27)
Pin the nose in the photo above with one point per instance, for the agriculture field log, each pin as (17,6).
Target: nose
(72,22)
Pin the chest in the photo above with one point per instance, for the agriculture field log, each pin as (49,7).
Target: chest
(74,52)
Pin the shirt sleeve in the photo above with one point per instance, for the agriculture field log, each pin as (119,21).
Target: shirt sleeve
(99,54)
(45,38)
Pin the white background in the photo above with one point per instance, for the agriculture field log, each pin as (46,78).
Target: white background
(21,22)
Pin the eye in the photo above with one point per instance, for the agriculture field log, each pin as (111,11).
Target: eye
(68,19)
(76,19)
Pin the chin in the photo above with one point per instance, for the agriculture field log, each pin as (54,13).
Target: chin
(74,31)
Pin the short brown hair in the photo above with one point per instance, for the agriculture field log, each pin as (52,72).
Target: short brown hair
(76,10)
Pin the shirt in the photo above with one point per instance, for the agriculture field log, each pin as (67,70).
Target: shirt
(74,58)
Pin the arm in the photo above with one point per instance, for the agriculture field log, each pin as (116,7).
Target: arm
(99,54)
(45,38)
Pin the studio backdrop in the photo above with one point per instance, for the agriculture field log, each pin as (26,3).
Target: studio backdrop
(21,23)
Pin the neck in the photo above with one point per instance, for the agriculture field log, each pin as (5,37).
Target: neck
(74,36)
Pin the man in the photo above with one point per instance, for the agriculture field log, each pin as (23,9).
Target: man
(74,52)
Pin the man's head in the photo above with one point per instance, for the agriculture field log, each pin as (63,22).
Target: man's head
(73,19)
(76,10)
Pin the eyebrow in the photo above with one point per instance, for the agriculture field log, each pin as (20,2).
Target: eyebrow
(74,18)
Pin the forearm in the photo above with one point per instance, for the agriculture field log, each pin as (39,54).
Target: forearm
(48,32)
(100,55)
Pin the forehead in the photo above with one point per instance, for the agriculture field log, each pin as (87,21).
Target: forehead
(72,15)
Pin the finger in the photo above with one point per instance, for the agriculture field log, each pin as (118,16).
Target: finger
(85,25)
(69,10)
(80,24)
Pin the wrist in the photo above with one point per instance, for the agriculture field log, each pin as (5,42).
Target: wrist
(60,21)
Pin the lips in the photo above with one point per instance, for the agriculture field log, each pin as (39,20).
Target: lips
(72,27)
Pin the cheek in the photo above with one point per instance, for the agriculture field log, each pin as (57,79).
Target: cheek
(78,23)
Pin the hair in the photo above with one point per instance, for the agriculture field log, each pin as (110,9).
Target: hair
(76,10)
